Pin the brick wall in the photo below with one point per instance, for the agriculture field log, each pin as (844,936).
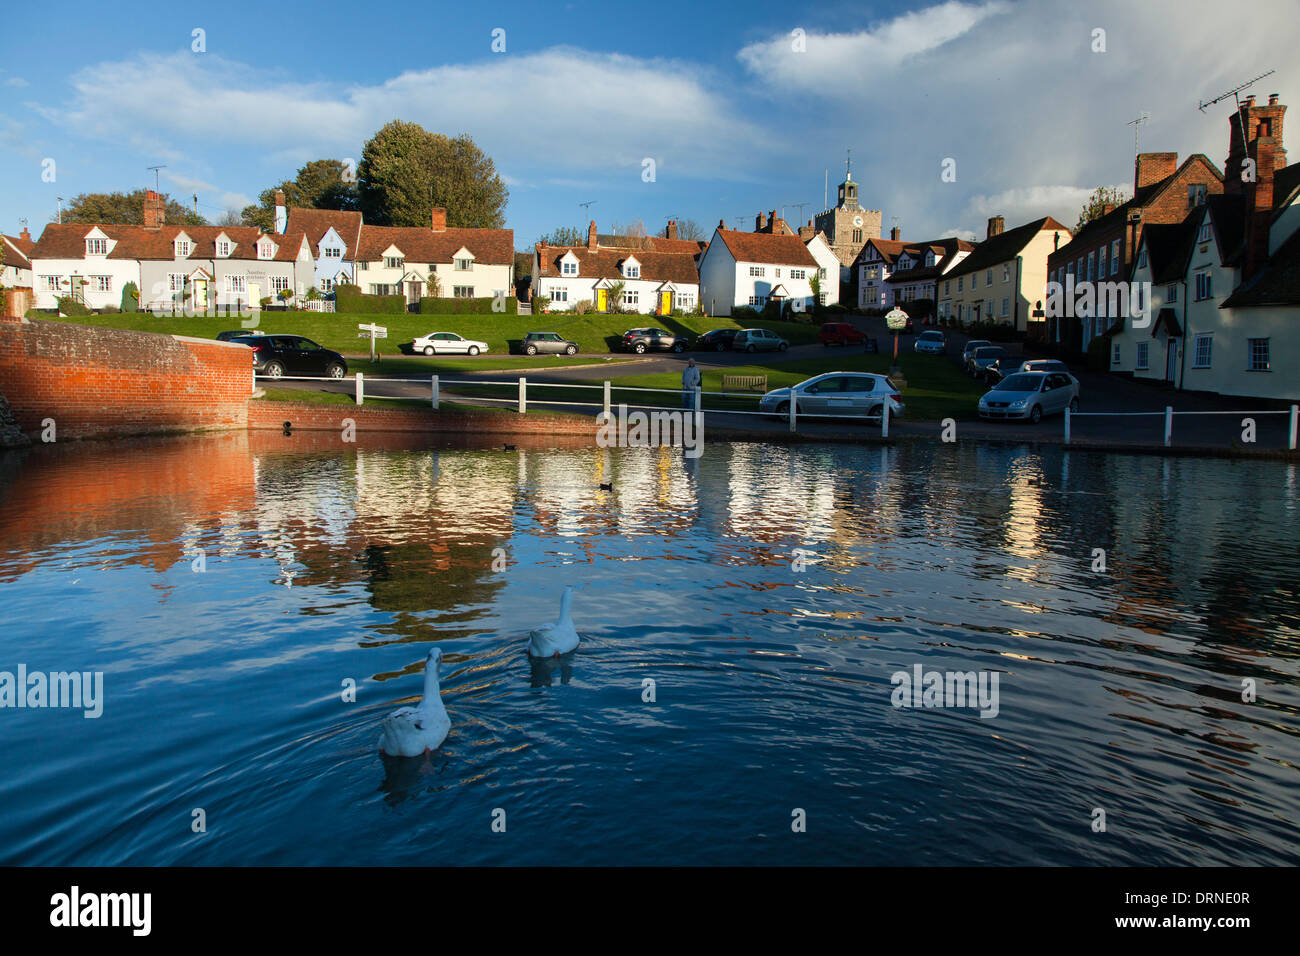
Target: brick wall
(316,417)
(99,381)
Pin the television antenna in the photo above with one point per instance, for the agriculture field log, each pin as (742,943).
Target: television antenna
(155,169)
(1236,99)
(796,205)
(586,206)
(1143,117)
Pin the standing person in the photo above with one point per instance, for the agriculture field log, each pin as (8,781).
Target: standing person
(690,382)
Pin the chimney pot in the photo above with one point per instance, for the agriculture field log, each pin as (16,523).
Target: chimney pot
(25,235)
(894,233)
(671,231)
(1272,99)
(995,227)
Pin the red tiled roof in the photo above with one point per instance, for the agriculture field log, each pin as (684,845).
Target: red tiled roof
(767,249)
(650,243)
(316,222)
(68,241)
(421,244)
(607,264)
(17,253)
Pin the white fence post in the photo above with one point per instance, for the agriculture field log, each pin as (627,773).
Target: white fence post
(434,384)
(1169,425)
(793,414)
(523,395)
(699,400)
(1067,424)
(607,400)
(361,388)
(884,419)
(1295,419)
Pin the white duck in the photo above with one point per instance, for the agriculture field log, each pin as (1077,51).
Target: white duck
(552,640)
(412,731)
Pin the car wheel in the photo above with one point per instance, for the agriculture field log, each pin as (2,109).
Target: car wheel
(749,349)
(720,347)
(530,350)
(783,346)
(334,370)
(571,350)
(678,347)
(473,350)
(639,348)
(1036,414)
(783,410)
(876,411)
(1074,405)
(273,370)
(428,350)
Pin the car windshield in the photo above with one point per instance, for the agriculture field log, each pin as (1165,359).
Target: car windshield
(1019,383)
(932,335)
(975,344)
(992,352)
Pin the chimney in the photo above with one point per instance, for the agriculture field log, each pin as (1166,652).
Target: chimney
(895,233)
(542,258)
(1264,151)
(1152,167)
(1250,100)
(281,214)
(671,231)
(438,219)
(1272,99)
(722,224)
(779,227)
(996,225)
(760,222)
(25,235)
(153,210)
(1258,122)
(591,236)
(1107,208)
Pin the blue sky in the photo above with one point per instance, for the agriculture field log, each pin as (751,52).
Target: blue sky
(736,119)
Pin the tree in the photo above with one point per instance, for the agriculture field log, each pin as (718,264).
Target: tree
(230,217)
(565,236)
(815,283)
(433,286)
(126,209)
(1095,207)
(130,298)
(616,296)
(690,229)
(320,184)
(405,171)
(632,235)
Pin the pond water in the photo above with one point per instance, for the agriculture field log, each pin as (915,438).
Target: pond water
(743,617)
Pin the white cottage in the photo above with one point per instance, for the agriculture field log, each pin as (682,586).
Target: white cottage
(753,269)
(652,282)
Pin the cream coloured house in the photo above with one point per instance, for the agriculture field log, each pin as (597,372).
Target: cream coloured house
(1003,278)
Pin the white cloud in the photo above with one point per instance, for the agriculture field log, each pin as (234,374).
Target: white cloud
(1023,204)
(187,182)
(16,81)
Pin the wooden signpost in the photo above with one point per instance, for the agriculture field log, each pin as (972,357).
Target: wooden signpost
(374,332)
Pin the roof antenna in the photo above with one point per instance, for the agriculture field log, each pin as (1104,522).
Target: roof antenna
(1236,99)
(1142,117)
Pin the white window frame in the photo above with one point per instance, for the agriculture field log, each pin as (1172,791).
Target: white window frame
(1252,351)
(1206,338)
(462,292)
(1204,285)
(236,284)
(464,265)
(182,249)
(96,247)
(568,268)
(1143,362)
(223,248)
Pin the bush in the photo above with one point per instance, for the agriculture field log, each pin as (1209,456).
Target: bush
(540,304)
(265,301)
(744,312)
(369,304)
(583,307)
(109,310)
(430,305)
(130,298)
(70,306)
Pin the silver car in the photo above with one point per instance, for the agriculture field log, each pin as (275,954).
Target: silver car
(931,340)
(982,358)
(862,394)
(1031,395)
(759,340)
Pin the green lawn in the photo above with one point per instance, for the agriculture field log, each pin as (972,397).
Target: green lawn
(592,332)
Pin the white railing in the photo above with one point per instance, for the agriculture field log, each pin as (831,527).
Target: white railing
(1169,413)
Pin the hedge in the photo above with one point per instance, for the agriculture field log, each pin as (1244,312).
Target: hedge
(370,304)
(430,305)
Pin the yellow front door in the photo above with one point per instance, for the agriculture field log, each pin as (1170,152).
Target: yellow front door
(665,303)
(602,300)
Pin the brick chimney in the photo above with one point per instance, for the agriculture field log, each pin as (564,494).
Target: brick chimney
(1269,156)
(722,224)
(895,234)
(438,219)
(671,231)
(1257,121)
(153,210)
(591,236)
(25,236)
(779,227)
(543,260)
(996,225)
(760,222)
(1152,167)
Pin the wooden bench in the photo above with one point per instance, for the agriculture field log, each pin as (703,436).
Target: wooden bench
(748,383)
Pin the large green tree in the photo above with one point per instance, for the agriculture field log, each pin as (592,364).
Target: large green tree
(1095,207)
(320,184)
(405,171)
(126,209)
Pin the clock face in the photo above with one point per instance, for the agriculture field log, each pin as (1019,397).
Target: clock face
(857,221)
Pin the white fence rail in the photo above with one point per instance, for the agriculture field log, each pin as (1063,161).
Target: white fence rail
(1168,415)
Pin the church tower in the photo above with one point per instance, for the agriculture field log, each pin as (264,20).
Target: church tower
(849,225)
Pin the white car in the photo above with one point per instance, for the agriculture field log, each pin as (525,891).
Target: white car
(837,393)
(931,340)
(447,343)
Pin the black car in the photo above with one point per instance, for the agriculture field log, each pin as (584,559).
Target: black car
(278,355)
(1001,367)
(651,340)
(237,334)
(717,340)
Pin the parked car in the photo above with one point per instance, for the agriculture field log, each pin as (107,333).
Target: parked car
(437,343)
(1000,368)
(652,340)
(759,340)
(1030,395)
(969,349)
(932,341)
(1044,365)
(717,340)
(548,343)
(837,393)
(239,334)
(840,333)
(983,357)
(275,356)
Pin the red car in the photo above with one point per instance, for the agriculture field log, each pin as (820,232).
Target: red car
(840,333)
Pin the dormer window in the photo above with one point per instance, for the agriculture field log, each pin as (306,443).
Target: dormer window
(393,262)
(96,247)
(182,248)
(929,259)
(632,271)
(1142,258)
(223,247)
(265,250)
(569,265)
(331,252)
(1205,233)
(464,265)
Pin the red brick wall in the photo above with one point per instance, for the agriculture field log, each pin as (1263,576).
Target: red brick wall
(315,417)
(98,381)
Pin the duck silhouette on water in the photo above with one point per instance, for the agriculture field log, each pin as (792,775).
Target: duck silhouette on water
(553,640)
